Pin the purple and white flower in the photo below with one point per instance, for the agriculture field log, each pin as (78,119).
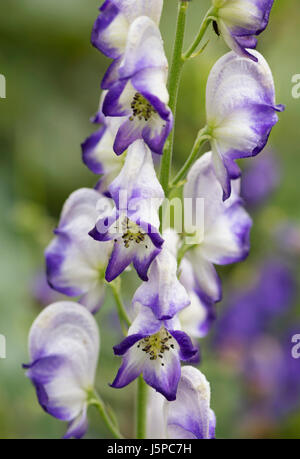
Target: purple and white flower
(241,111)
(154,349)
(240,21)
(111,28)
(75,262)
(97,150)
(196,319)
(226,226)
(163,292)
(133,224)
(63,349)
(137,89)
(189,416)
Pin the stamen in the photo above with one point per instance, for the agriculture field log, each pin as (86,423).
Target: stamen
(132,233)
(141,108)
(155,345)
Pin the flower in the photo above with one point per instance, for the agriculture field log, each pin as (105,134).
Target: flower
(240,21)
(138,92)
(63,348)
(97,150)
(189,416)
(197,318)
(111,28)
(75,262)
(153,348)
(163,292)
(133,223)
(241,111)
(226,227)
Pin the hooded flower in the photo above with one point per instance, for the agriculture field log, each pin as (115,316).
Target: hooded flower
(226,227)
(63,349)
(111,28)
(241,111)
(137,89)
(198,317)
(189,416)
(97,150)
(133,223)
(163,292)
(240,21)
(75,262)
(154,349)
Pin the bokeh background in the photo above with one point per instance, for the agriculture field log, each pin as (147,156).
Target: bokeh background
(53,76)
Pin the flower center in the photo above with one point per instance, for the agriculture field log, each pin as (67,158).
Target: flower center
(156,345)
(132,233)
(141,108)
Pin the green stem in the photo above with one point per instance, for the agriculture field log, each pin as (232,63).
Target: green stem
(174,80)
(123,316)
(141,408)
(96,401)
(201,138)
(209,17)
(181,253)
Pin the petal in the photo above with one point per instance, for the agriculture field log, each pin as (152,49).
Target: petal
(63,347)
(189,416)
(208,280)
(111,28)
(111,76)
(145,323)
(144,49)
(241,110)
(129,132)
(60,329)
(196,319)
(138,176)
(74,260)
(239,21)
(121,257)
(131,368)
(89,151)
(229,239)
(163,293)
(187,350)
(97,150)
(78,427)
(163,379)
(202,185)
(117,101)
(235,42)
(156,132)
(151,83)
(155,418)
(143,260)
(94,298)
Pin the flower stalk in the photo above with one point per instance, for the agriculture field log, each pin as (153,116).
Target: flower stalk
(96,401)
(174,80)
(209,17)
(141,407)
(201,138)
(116,291)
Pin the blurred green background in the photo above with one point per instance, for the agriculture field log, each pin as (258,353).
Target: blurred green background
(53,76)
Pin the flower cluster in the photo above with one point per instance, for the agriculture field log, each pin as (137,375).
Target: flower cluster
(103,231)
